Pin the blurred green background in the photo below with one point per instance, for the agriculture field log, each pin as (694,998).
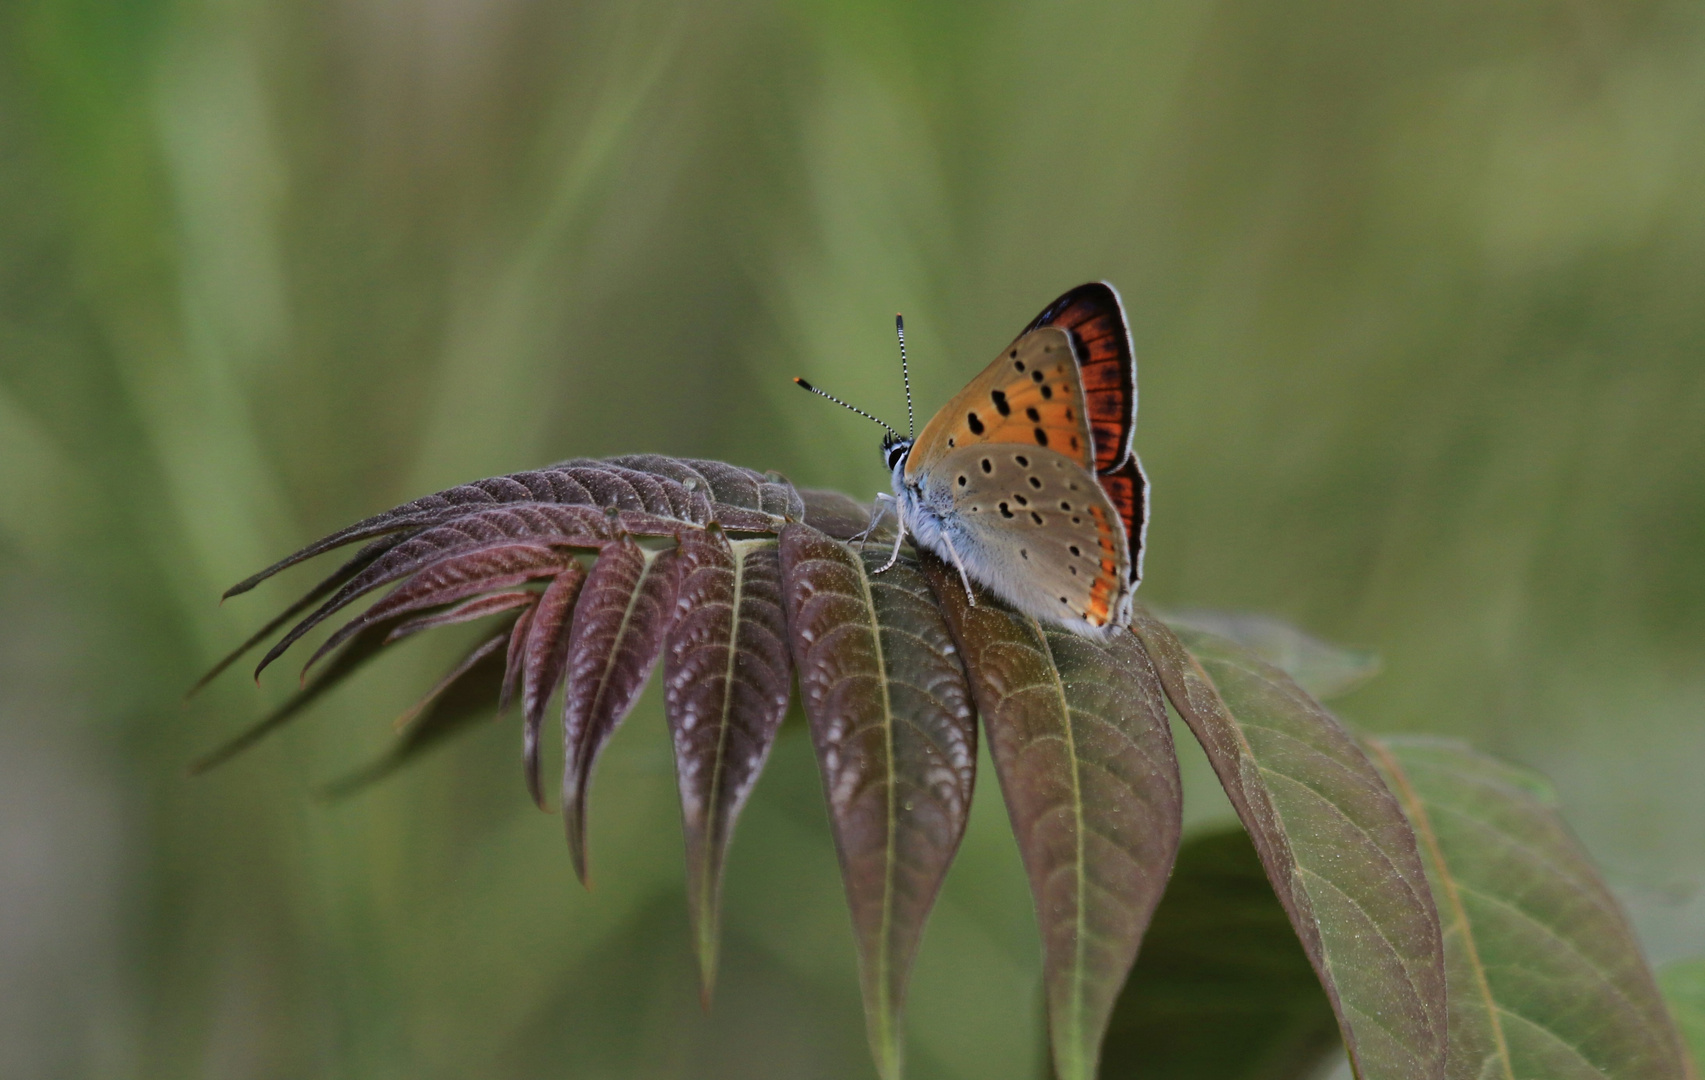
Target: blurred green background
(1418,290)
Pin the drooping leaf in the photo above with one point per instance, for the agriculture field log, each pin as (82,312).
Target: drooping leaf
(1546,979)
(896,741)
(1683,984)
(620,621)
(1080,741)
(467,694)
(641,502)
(1221,989)
(513,656)
(727,678)
(359,561)
(544,664)
(476,656)
(1336,845)
(478,607)
(456,577)
(362,648)
(1323,670)
(488,530)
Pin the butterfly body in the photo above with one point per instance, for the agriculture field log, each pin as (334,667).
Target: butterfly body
(1026,481)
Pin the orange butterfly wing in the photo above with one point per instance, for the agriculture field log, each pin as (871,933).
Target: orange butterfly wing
(1030,395)
(1095,319)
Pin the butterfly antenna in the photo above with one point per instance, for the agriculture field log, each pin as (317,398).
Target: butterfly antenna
(906,376)
(844,405)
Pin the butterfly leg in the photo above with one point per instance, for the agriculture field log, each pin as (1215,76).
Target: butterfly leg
(894,556)
(877,513)
(963,576)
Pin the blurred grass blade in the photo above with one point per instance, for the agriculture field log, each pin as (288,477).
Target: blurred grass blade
(896,740)
(620,620)
(544,664)
(1323,670)
(1080,741)
(1546,979)
(1683,985)
(1335,843)
(466,694)
(1222,988)
(727,680)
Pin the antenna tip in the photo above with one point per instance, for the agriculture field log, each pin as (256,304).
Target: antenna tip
(803,383)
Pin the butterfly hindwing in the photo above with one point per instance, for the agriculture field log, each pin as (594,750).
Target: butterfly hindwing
(1035,526)
(1029,396)
(1127,489)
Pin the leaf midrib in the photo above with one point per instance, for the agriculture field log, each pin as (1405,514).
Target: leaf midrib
(1418,817)
(1079,923)
(885,929)
(738,555)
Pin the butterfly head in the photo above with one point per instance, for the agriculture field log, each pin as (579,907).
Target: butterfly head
(894,451)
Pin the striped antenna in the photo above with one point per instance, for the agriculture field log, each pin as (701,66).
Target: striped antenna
(906,376)
(844,405)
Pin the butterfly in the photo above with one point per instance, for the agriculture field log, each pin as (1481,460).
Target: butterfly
(1026,480)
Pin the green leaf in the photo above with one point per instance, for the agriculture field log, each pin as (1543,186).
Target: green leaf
(727,679)
(1079,737)
(896,740)
(1336,846)
(1546,979)
(1683,984)
(1323,670)
(1222,988)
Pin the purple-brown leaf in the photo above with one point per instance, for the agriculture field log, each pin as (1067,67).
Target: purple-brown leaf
(1080,740)
(727,679)
(543,664)
(1333,839)
(620,621)
(453,578)
(477,607)
(488,530)
(644,502)
(896,741)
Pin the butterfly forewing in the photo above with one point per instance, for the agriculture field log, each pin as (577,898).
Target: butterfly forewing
(1040,531)
(1030,396)
(1095,320)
